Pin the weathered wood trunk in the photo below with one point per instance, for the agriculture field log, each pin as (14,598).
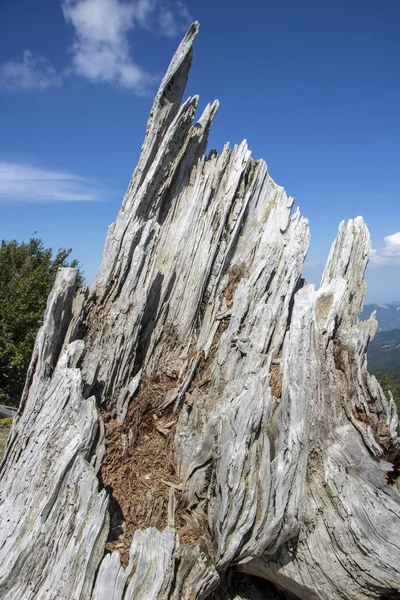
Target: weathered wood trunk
(202,417)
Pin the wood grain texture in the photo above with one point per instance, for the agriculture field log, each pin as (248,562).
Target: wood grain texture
(199,331)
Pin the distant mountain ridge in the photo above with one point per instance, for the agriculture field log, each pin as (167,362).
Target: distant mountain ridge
(388,315)
(384,354)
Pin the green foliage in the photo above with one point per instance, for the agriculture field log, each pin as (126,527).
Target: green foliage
(384,361)
(388,383)
(27,274)
(384,353)
(5,426)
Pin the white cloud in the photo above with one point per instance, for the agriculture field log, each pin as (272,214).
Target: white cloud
(173,21)
(24,183)
(389,255)
(313,264)
(32,72)
(101,49)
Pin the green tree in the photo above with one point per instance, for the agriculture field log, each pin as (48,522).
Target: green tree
(27,274)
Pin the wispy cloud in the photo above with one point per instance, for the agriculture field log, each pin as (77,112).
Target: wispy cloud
(24,183)
(32,72)
(313,264)
(173,21)
(101,49)
(169,19)
(389,255)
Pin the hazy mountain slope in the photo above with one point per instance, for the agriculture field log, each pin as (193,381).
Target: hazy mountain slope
(387,315)
(384,353)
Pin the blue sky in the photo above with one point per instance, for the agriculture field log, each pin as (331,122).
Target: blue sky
(313,86)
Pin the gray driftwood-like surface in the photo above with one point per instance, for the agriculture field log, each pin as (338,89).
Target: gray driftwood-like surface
(285,449)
